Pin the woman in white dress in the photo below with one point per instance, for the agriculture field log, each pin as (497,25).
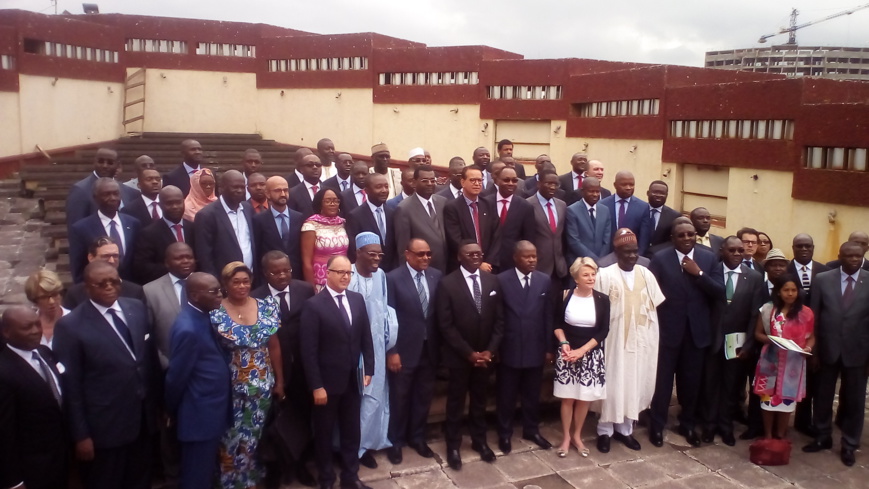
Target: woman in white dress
(579,367)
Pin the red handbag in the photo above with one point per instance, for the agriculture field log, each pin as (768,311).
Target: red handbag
(770,452)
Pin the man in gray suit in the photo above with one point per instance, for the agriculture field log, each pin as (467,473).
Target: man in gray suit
(166,294)
(549,217)
(589,232)
(421,216)
(840,301)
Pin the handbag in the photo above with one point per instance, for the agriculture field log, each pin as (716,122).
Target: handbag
(770,451)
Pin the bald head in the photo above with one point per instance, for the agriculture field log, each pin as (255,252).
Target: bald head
(21,327)
(203,291)
(625,184)
(861,238)
(232,187)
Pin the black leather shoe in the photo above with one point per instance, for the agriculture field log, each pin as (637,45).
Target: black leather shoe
(656,437)
(848,456)
(628,440)
(690,436)
(304,476)
(394,455)
(708,436)
(603,443)
(354,485)
(728,439)
(538,440)
(486,453)
(749,434)
(367,459)
(454,459)
(422,449)
(818,445)
(505,445)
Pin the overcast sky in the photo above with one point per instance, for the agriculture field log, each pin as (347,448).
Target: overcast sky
(666,31)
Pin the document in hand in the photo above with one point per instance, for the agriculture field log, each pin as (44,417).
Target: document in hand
(787,344)
(732,342)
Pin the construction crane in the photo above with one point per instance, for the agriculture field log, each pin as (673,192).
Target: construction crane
(791,30)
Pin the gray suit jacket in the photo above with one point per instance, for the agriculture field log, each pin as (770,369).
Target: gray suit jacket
(841,333)
(583,239)
(550,258)
(163,308)
(413,221)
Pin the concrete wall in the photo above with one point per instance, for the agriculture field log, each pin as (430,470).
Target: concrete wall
(10,124)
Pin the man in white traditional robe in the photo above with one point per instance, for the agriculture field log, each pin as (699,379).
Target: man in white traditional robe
(632,344)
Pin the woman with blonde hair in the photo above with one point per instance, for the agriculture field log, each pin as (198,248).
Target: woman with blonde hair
(44,289)
(201,194)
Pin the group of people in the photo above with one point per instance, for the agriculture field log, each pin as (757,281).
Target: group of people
(251,325)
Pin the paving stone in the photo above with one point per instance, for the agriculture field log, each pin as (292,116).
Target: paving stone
(715,457)
(476,475)
(827,461)
(710,481)
(433,479)
(856,477)
(552,481)
(636,473)
(678,465)
(824,482)
(795,472)
(384,484)
(754,476)
(669,484)
(572,461)
(618,453)
(521,466)
(596,477)
(376,474)
(412,463)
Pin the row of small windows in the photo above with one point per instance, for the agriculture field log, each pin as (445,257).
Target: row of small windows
(7,62)
(435,78)
(319,64)
(733,129)
(524,92)
(156,46)
(224,49)
(47,48)
(617,108)
(853,159)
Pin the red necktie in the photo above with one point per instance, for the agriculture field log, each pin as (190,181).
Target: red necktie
(476,215)
(552,225)
(364,198)
(503,211)
(179,236)
(578,182)
(314,189)
(154,214)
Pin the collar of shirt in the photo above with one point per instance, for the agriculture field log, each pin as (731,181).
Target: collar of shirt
(468,274)
(309,185)
(342,180)
(106,220)
(799,266)
(455,191)
(659,209)
(299,175)
(189,169)
(424,201)
(355,189)
(738,269)
(194,307)
(275,291)
(27,355)
(226,207)
(469,201)
(335,294)
(522,277)
(845,276)
(626,199)
(587,207)
(375,207)
(575,175)
(148,201)
(103,310)
(543,201)
(508,198)
(170,223)
(275,213)
(681,256)
(404,195)
(414,271)
(257,205)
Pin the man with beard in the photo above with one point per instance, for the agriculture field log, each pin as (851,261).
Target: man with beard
(192,159)
(281,227)
(256,189)
(326,153)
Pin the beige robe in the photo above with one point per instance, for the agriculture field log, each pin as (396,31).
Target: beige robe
(631,348)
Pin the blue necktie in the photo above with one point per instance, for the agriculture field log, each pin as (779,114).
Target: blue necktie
(380,223)
(285,227)
(116,237)
(343,310)
(122,328)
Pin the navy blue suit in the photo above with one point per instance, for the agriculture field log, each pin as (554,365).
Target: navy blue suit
(198,395)
(418,344)
(84,232)
(330,354)
(528,318)
(268,238)
(637,219)
(80,200)
(179,178)
(393,202)
(685,319)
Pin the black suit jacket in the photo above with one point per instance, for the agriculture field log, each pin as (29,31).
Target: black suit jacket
(816,269)
(215,242)
(288,334)
(300,201)
(447,192)
(268,238)
(458,226)
(361,219)
(150,252)
(330,352)
(518,225)
(80,202)
(77,294)
(90,228)
(571,192)
(332,182)
(139,210)
(415,327)
(293,179)
(33,439)
(661,234)
(179,178)
(463,329)
(107,392)
(740,316)
(528,319)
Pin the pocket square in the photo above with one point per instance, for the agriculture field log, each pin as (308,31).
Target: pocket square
(60,368)
(493,293)
(543,294)
(147,336)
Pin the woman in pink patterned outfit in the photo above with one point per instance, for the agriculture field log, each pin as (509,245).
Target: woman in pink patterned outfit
(323,235)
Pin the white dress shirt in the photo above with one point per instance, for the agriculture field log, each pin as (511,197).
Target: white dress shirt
(500,203)
(521,278)
(469,282)
(148,205)
(345,302)
(341,183)
(310,188)
(455,191)
(118,226)
(177,286)
(357,193)
(27,356)
(425,203)
(275,293)
(242,231)
(682,256)
(189,169)
(104,311)
(737,273)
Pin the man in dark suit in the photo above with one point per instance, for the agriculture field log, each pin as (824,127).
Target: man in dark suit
(149,260)
(471,218)
(123,230)
(840,301)
(691,282)
(735,312)
(702,221)
(291,296)
(336,333)
(104,249)
(296,177)
(421,216)
(281,227)
(629,211)
(454,188)
(33,440)
(542,163)
(661,215)
(549,216)
(407,189)
(302,195)
(146,208)
(571,182)
(749,237)
(596,169)
(495,168)
(515,217)
(863,240)
(198,396)
(413,361)
(109,357)
(505,150)
(481,158)
(528,314)
(373,216)
(471,320)
(355,196)
(589,232)
(192,159)
(223,229)
(80,203)
(341,180)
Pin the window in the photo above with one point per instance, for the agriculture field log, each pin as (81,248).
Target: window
(71,51)
(523,92)
(827,158)
(328,64)
(7,62)
(224,49)
(156,46)
(617,108)
(733,129)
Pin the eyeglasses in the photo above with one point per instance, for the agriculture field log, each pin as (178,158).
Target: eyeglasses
(475,180)
(510,180)
(278,273)
(342,273)
(474,254)
(686,234)
(331,201)
(105,284)
(214,291)
(749,242)
(421,254)
(374,254)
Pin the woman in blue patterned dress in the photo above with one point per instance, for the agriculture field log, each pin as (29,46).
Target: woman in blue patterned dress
(246,328)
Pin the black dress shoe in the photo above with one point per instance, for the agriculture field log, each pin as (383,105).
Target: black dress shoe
(538,440)
(818,445)
(628,440)
(603,443)
(394,455)
(422,449)
(505,445)
(728,439)
(656,437)
(708,436)
(848,456)
(367,459)
(454,459)
(486,453)
(354,485)
(690,436)
(749,434)
(304,476)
